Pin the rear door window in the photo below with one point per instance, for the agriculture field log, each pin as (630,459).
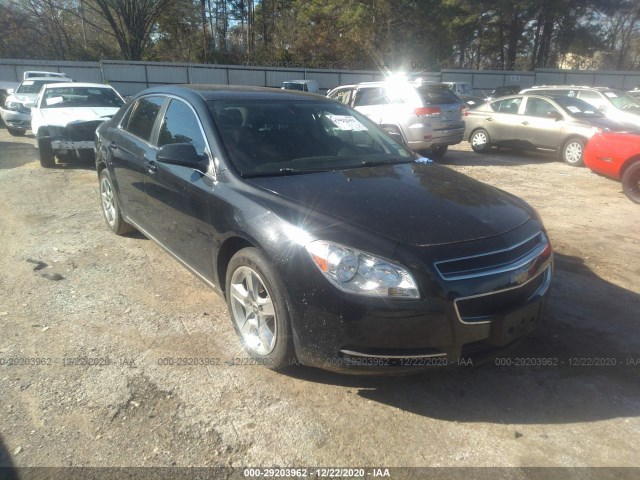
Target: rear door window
(370,96)
(143,116)
(509,105)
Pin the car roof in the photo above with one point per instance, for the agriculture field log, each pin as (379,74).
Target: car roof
(572,87)
(48,79)
(77,84)
(230,92)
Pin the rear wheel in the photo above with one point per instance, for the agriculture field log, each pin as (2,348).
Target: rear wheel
(16,132)
(257,305)
(47,159)
(480,141)
(572,152)
(631,182)
(110,205)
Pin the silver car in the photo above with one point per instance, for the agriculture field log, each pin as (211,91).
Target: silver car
(559,123)
(615,104)
(16,111)
(425,116)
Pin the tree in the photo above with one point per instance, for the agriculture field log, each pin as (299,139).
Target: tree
(131,22)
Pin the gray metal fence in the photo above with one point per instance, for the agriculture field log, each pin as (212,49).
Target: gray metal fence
(131,77)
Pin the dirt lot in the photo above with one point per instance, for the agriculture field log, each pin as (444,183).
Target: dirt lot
(125,304)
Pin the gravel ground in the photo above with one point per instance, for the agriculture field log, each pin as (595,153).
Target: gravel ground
(72,295)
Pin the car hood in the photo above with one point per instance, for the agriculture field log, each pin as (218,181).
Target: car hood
(415,204)
(22,97)
(63,116)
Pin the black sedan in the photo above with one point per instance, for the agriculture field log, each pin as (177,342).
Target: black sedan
(333,245)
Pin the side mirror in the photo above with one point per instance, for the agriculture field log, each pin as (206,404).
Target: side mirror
(183,154)
(10,91)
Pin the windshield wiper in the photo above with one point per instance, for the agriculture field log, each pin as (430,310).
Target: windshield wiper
(283,172)
(392,161)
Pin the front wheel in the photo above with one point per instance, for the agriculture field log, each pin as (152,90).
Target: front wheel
(480,141)
(15,132)
(257,306)
(631,182)
(572,152)
(47,158)
(110,206)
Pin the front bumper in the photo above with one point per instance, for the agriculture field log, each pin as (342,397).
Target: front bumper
(456,322)
(15,119)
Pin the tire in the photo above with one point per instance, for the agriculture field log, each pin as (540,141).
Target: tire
(111,206)
(47,159)
(15,132)
(436,153)
(257,304)
(572,152)
(631,182)
(480,141)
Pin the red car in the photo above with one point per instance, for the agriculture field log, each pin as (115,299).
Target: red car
(616,155)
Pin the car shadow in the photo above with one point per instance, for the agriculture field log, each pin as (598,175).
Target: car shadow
(502,156)
(7,468)
(16,156)
(574,369)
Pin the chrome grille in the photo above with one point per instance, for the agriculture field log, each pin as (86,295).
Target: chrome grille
(493,262)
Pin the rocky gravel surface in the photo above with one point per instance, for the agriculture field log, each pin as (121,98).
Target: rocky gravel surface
(93,326)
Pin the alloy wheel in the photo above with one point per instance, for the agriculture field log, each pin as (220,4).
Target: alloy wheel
(253,311)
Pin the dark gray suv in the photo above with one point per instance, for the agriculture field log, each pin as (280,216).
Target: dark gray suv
(426,116)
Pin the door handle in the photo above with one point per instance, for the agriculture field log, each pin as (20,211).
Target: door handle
(113,146)
(152,167)
(489,119)
(525,123)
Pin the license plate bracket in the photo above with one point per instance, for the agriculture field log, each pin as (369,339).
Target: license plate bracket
(510,327)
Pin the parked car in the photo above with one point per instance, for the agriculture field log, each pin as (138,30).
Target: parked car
(425,116)
(559,123)
(465,93)
(33,74)
(333,245)
(615,104)
(616,155)
(65,118)
(310,86)
(502,91)
(16,111)
(635,93)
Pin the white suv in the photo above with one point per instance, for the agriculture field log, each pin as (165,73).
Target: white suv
(426,116)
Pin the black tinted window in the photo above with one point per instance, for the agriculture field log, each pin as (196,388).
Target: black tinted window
(180,125)
(437,96)
(144,116)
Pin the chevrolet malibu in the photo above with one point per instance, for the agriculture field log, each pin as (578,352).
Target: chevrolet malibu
(333,245)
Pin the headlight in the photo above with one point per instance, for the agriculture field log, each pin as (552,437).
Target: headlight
(361,273)
(13,105)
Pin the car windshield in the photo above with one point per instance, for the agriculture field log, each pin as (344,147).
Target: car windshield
(622,100)
(34,86)
(289,137)
(65,97)
(576,107)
